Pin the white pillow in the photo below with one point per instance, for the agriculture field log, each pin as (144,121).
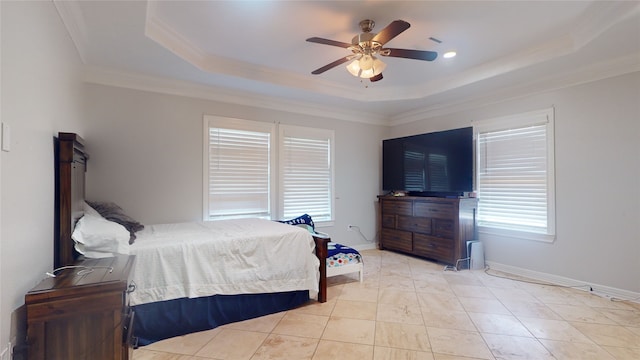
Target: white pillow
(97,237)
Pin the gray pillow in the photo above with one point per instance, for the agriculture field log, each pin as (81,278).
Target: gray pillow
(113,212)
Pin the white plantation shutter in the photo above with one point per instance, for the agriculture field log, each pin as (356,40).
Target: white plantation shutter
(515,173)
(306,172)
(250,170)
(238,170)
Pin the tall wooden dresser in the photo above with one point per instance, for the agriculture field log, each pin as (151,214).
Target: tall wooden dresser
(429,227)
(82,313)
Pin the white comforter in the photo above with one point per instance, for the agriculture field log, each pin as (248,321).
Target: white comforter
(222,257)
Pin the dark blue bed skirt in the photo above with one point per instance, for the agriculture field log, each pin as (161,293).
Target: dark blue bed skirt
(162,320)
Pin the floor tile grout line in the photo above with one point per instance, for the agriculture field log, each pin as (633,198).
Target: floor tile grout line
(500,299)
(539,340)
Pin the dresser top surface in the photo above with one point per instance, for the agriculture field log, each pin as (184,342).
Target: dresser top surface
(83,276)
(427,198)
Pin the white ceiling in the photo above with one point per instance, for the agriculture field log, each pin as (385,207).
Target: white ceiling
(255,51)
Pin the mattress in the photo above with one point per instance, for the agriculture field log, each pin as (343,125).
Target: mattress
(227,257)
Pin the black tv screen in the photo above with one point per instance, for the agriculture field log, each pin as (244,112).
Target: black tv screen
(432,164)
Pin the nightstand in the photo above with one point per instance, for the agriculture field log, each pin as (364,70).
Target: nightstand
(83,312)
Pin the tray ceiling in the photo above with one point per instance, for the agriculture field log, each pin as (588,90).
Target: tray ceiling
(255,51)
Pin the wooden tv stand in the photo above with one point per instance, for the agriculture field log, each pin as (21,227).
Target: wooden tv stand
(428,227)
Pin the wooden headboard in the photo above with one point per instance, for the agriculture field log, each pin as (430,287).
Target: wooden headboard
(71,165)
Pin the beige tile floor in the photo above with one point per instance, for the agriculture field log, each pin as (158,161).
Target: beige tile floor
(409,308)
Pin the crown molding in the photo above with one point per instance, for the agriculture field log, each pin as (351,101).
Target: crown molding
(599,17)
(602,70)
(162,33)
(110,77)
(72,18)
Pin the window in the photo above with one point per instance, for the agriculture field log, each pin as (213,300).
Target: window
(238,168)
(256,169)
(306,177)
(515,175)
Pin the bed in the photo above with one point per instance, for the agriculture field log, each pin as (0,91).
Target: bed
(190,296)
(342,259)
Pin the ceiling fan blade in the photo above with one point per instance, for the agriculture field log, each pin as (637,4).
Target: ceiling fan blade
(332,65)
(392,30)
(328,42)
(411,54)
(376,78)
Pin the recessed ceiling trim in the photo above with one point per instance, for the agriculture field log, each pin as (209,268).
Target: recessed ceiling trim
(602,70)
(598,18)
(109,77)
(163,34)
(72,18)
(166,36)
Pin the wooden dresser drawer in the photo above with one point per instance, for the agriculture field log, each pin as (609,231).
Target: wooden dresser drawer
(433,247)
(433,210)
(397,207)
(415,224)
(389,221)
(443,228)
(397,240)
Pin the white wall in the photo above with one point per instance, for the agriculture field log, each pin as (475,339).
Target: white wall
(597,149)
(146,155)
(41,95)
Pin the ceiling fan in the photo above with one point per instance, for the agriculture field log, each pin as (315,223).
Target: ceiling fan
(365,48)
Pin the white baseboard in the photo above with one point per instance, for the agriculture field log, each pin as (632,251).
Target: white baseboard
(602,290)
(361,247)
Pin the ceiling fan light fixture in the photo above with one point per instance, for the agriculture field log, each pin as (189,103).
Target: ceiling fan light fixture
(367,66)
(354,67)
(449,54)
(366,62)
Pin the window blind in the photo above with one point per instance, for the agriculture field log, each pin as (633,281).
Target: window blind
(239,173)
(513,178)
(306,172)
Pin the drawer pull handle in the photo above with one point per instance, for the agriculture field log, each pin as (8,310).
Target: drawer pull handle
(131,288)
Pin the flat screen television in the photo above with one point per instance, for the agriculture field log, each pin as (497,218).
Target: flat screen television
(432,164)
